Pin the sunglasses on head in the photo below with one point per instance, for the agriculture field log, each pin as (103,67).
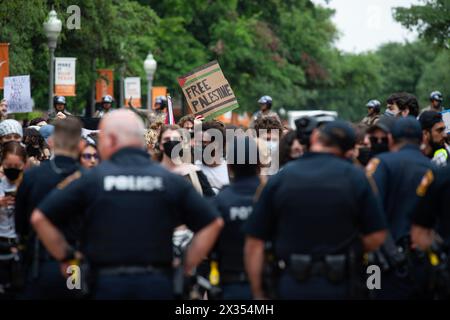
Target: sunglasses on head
(89,156)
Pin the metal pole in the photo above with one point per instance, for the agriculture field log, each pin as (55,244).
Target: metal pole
(149,94)
(51,77)
(122,71)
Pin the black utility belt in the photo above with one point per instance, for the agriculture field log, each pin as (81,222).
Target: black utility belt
(132,270)
(302,267)
(233,277)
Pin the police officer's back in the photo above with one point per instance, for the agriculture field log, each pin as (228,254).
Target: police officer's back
(235,203)
(398,175)
(44,278)
(314,210)
(130,207)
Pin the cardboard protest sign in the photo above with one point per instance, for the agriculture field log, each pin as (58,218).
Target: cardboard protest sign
(207,91)
(18,94)
(4,62)
(446,118)
(133,91)
(104,84)
(65,84)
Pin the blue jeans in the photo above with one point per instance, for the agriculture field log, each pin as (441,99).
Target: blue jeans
(236,291)
(148,286)
(315,288)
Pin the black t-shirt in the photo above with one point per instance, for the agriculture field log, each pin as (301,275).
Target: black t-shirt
(314,205)
(235,203)
(130,206)
(433,210)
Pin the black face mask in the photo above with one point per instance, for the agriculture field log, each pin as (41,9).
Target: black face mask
(379,145)
(169,146)
(365,154)
(12,173)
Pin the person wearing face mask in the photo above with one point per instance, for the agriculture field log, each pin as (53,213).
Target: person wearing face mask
(13,160)
(402,104)
(377,136)
(170,146)
(290,148)
(209,154)
(434,135)
(362,151)
(268,132)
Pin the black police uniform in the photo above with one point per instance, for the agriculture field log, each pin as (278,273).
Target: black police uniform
(397,176)
(316,206)
(432,212)
(235,203)
(44,278)
(130,207)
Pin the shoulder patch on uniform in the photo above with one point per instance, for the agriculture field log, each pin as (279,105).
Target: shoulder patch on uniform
(372,167)
(427,179)
(74,176)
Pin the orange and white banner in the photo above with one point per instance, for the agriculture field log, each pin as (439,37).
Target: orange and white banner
(133,91)
(65,83)
(4,62)
(105,84)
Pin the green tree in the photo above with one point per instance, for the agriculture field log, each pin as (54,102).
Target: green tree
(432,20)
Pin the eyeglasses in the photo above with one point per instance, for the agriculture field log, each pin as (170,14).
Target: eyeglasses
(89,156)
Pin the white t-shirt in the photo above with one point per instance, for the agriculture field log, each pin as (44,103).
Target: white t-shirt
(217,176)
(7,225)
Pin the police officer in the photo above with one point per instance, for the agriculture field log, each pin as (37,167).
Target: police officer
(235,203)
(397,175)
(265,106)
(130,207)
(436,99)
(432,213)
(59,103)
(44,279)
(316,211)
(106,106)
(373,112)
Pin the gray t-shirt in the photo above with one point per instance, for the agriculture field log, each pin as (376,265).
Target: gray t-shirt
(7,226)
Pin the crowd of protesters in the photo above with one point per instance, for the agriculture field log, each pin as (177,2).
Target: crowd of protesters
(181,148)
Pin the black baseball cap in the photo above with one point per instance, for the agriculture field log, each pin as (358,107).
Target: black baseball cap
(407,127)
(340,133)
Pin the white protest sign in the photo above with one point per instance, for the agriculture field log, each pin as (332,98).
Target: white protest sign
(65,84)
(133,91)
(18,94)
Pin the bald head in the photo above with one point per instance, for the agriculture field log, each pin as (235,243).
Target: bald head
(120,129)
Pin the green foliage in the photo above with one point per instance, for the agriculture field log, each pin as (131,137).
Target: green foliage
(432,20)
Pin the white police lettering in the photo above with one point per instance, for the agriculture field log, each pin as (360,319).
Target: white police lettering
(132,183)
(241,213)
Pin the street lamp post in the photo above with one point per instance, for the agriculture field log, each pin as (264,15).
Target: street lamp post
(52,29)
(150,65)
